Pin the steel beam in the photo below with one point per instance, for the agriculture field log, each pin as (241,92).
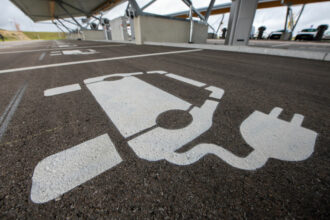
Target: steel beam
(78,9)
(136,7)
(148,4)
(69,21)
(225,7)
(58,26)
(63,25)
(189,3)
(68,13)
(209,9)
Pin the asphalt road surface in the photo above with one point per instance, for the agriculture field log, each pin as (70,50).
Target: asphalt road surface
(108,140)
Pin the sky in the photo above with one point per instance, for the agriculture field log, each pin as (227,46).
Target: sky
(273,18)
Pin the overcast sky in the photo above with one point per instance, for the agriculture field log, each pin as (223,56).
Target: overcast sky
(314,14)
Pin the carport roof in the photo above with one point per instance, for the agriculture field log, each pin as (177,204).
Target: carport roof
(40,10)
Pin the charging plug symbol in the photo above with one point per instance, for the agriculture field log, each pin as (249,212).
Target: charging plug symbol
(276,138)
(269,136)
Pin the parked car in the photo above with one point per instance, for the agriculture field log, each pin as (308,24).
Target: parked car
(275,35)
(306,34)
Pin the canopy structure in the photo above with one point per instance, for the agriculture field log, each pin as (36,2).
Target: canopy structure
(41,10)
(225,8)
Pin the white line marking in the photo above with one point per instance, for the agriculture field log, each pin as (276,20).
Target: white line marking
(186,80)
(96,60)
(29,51)
(217,93)
(9,105)
(100,78)
(61,172)
(297,119)
(79,52)
(161,143)
(157,72)
(5,124)
(62,89)
(42,56)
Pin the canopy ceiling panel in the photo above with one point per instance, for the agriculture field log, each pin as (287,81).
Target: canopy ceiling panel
(40,10)
(225,8)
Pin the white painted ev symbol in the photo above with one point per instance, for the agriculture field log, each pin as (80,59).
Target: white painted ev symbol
(136,107)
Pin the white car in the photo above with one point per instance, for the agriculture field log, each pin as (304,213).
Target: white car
(275,35)
(306,34)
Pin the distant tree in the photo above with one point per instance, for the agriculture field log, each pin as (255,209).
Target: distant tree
(261,31)
(320,31)
(93,26)
(224,31)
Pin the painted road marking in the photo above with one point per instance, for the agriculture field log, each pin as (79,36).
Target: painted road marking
(12,111)
(62,89)
(134,105)
(186,80)
(67,45)
(157,72)
(61,172)
(29,51)
(96,60)
(79,52)
(42,56)
(2,117)
(101,78)
(216,92)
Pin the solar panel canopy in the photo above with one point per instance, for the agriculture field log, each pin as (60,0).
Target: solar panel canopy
(41,10)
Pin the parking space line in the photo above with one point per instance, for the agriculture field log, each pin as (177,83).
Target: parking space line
(96,60)
(2,117)
(67,48)
(42,56)
(12,111)
(62,89)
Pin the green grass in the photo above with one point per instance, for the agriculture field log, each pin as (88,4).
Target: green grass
(9,38)
(44,35)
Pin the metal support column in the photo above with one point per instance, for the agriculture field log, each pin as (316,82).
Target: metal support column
(191,25)
(241,18)
(286,34)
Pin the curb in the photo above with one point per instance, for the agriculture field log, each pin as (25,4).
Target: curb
(323,56)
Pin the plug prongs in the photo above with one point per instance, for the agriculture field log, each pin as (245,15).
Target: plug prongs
(276,112)
(297,119)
